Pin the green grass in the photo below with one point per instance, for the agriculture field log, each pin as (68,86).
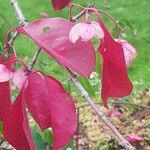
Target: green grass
(133,15)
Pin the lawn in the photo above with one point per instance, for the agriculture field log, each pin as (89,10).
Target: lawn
(132,15)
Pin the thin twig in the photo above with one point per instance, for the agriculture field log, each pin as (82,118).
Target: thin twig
(77,131)
(34,59)
(22,22)
(83,12)
(118,103)
(111,18)
(10,42)
(98,111)
(83,92)
(127,103)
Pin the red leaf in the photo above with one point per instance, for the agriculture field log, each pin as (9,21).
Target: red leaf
(10,61)
(5,73)
(1,61)
(37,99)
(4,98)
(60,4)
(115,82)
(16,126)
(133,138)
(55,41)
(51,106)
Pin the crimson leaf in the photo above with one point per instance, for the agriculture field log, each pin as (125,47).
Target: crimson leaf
(52,35)
(4,98)
(16,127)
(51,106)
(60,4)
(115,82)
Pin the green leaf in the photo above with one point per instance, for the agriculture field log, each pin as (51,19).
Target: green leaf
(37,129)
(70,146)
(48,137)
(116,32)
(2,16)
(3,30)
(67,86)
(39,143)
(98,63)
(87,85)
(1,127)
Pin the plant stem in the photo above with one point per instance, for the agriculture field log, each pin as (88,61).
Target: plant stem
(98,111)
(9,43)
(20,16)
(119,102)
(34,59)
(90,7)
(22,22)
(78,85)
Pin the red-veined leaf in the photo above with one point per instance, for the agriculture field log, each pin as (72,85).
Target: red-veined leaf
(4,98)
(115,82)
(51,106)
(52,35)
(60,4)
(16,127)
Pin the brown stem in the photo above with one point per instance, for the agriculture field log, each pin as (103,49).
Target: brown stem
(119,102)
(111,18)
(82,13)
(10,42)
(77,132)
(34,59)
(90,10)
(98,111)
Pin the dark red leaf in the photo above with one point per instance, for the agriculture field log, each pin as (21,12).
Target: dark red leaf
(10,61)
(52,35)
(16,127)
(38,100)
(51,106)
(115,82)
(1,61)
(60,4)
(4,98)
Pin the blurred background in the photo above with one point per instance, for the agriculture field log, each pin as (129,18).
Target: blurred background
(134,118)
